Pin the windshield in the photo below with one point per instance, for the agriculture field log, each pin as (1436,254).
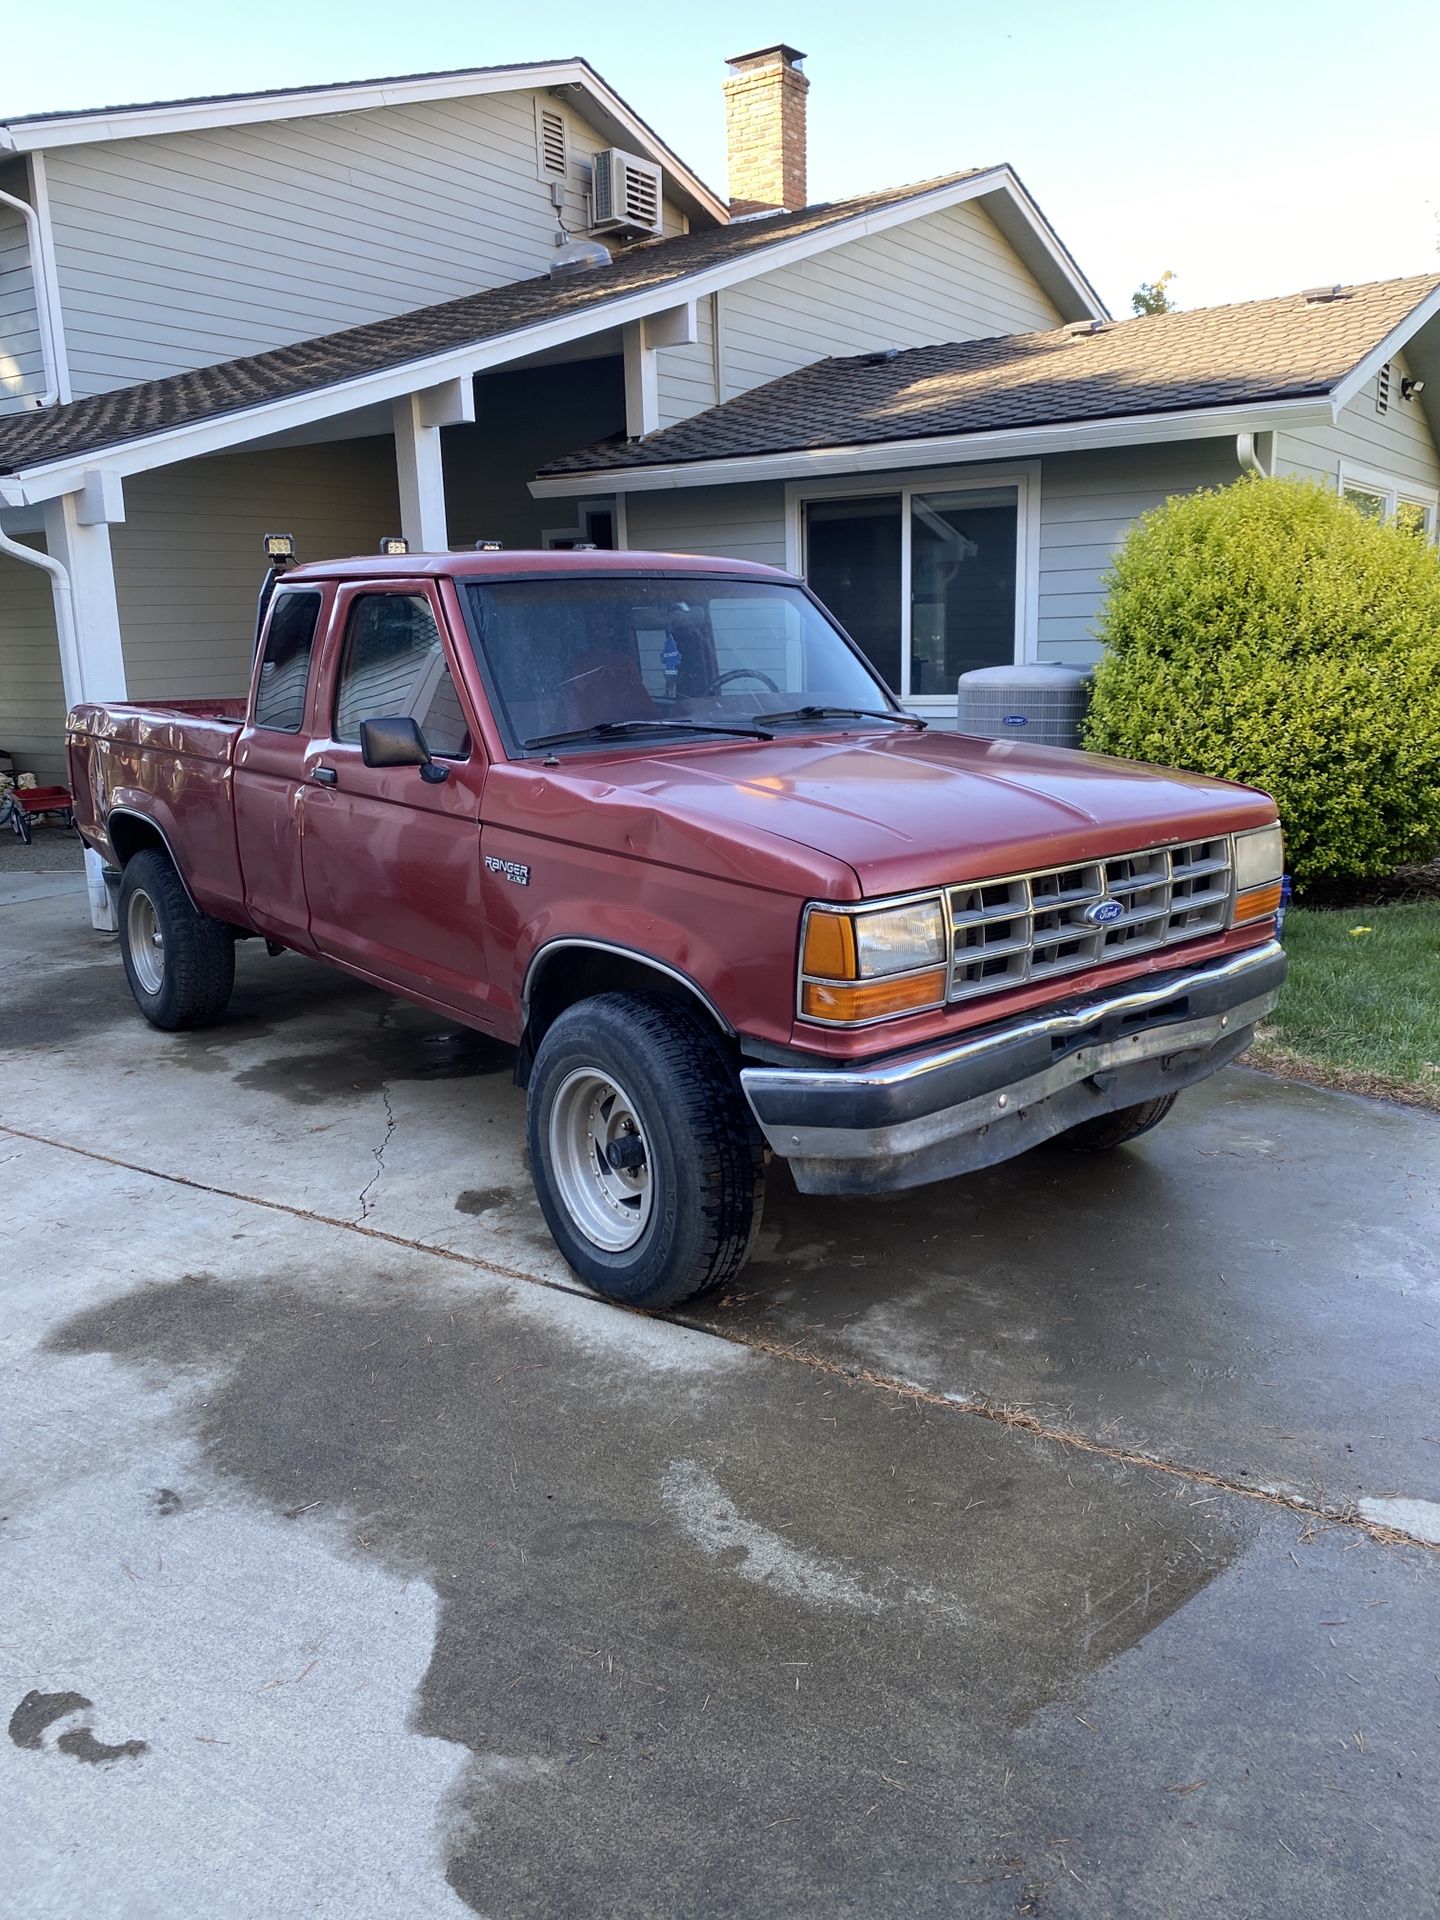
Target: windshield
(567,654)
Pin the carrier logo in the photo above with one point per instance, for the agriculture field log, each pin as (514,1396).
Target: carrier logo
(509,870)
(1103,913)
(1015,720)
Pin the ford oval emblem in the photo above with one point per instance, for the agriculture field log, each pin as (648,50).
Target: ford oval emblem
(1103,913)
(1015,720)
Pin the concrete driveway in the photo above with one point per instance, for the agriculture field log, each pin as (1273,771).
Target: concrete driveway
(1049,1543)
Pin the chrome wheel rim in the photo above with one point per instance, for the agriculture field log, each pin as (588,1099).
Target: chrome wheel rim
(594,1123)
(146,942)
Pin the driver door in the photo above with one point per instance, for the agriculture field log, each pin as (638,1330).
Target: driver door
(391,860)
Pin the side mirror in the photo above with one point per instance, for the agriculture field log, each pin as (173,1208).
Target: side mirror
(398,742)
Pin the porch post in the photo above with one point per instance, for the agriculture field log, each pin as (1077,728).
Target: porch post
(92,660)
(418,418)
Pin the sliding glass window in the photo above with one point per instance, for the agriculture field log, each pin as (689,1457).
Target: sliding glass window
(925,580)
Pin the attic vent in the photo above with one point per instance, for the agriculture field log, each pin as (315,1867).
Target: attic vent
(1077,329)
(1315,296)
(1382,389)
(552,141)
(625,192)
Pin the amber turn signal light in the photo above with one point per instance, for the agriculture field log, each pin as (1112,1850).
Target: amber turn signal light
(830,946)
(872,999)
(1257,903)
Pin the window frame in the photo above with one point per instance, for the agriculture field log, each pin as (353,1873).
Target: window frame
(1023,476)
(281,593)
(408,591)
(1395,493)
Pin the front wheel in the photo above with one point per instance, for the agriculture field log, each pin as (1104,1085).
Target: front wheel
(1108,1130)
(647,1163)
(180,962)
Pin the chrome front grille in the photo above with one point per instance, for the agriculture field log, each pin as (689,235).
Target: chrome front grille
(1032,927)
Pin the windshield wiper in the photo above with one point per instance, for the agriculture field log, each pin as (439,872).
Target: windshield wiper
(849,713)
(614,729)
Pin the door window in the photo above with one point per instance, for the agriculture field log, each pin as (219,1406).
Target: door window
(285,666)
(394,667)
(852,560)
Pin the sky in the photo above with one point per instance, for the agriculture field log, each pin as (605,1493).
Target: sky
(1250,148)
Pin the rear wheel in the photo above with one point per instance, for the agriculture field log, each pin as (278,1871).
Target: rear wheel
(180,962)
(1108,1130)
(647,1163)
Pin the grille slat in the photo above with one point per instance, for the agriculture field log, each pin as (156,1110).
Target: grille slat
(1032,926)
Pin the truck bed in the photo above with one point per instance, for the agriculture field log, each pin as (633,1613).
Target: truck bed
(169,761)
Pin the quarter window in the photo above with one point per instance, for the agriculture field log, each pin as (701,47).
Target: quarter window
(394,667)
(285,664)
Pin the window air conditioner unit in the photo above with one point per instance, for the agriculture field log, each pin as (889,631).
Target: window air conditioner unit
(624,192)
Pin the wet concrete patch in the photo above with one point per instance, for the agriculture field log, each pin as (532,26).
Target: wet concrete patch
(405,1045)
(478,1200)
(37,1711)
(641,1598)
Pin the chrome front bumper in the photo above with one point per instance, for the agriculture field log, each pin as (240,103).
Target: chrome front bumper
(952,1109)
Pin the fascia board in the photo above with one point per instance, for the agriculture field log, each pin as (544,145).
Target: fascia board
(1345,390)
(948,451)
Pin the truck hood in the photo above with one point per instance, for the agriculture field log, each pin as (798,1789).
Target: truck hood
(907,810)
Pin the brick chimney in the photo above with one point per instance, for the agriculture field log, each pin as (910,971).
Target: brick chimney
(765,130)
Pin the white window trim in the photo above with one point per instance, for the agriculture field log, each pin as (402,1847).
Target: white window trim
(1396,492)
(1023,476)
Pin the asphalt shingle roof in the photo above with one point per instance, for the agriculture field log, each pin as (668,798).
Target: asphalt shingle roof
(152,406)
(1285,348)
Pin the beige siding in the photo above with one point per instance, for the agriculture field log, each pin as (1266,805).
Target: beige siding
(188,563)
(1397,442)
(22,369)
(948,276)
(685,376)
(179,250)
(32,697)
(1088,502)
(739,523)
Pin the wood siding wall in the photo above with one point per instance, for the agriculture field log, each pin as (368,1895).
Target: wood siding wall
(32,696)
(22,369)
(1397,442)
(179,250)
(743,523)
(948,276)
(188,564)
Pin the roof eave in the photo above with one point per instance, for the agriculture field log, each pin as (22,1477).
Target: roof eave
(946,450)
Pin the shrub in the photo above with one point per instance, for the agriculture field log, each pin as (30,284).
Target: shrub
(1269,632)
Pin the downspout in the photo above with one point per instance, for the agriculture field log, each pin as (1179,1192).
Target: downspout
(1248,456)
(101,913)
(49,353)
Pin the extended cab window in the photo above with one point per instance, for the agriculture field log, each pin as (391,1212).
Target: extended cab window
(394,667)
(285,667)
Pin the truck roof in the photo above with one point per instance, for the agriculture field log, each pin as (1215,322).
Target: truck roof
(519,562)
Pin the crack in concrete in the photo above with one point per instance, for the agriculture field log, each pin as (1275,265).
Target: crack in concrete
(366,1203)
(1019,1419)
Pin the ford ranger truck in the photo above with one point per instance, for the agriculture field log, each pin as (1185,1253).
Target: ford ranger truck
(655,822)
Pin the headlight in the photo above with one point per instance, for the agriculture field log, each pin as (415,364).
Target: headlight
(1259,870)
(858,965)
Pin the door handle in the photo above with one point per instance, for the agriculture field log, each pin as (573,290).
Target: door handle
(324,776)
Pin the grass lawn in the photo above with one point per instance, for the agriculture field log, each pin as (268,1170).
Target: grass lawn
(1360,1010)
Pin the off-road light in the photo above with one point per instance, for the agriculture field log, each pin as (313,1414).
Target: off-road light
(279,547)
(394,545)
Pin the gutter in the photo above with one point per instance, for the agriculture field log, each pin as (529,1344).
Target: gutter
(950,450)
(45,318)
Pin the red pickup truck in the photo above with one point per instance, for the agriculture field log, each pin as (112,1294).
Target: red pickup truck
(654,821)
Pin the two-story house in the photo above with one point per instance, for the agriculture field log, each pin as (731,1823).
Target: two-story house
(495,304)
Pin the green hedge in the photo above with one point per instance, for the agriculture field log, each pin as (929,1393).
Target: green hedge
(1270,632)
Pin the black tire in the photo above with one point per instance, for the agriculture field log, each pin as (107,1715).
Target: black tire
(189,985)
(703,1165)
(1109,1130)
